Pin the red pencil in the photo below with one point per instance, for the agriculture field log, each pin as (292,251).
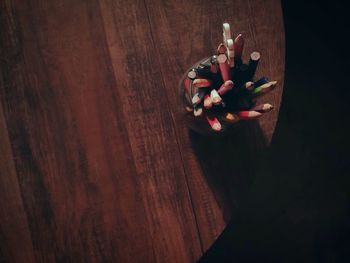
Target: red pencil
(238,46)
(213,122)
(249,115)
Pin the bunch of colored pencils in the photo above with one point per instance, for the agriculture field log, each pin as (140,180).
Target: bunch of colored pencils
(222,87)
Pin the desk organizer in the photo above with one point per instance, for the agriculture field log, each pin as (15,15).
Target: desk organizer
(221,90)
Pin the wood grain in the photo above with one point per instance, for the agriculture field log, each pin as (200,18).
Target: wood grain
(96,165)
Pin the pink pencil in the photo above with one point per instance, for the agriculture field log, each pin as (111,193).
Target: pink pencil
(227,86)
(207,101)
(224,67)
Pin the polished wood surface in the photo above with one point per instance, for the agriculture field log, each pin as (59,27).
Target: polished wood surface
(96,165)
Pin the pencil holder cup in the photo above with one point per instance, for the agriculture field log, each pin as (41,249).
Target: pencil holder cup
(214,97)
(220,90)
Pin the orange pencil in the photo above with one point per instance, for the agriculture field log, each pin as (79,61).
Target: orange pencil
(207,101)
(201,83)
(231,117)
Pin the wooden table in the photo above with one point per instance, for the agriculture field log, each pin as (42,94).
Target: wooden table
(96,166)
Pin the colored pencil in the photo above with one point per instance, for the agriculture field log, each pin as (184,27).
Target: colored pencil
(198,97)
(253,64)
(207,101)
(201,83)
(249,85)
(221,49)
(192,74)
(213,122)
(225,87)
(197,111)
(248,115)
(231,117)
(261,81)
(226,32)
(238,46)
(204,86)
(263,108)
(188,109)
(214,65)
(224,67)
(264,88)
(215,97)
(230,53)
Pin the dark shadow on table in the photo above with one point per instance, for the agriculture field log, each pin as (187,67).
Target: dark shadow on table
(230,162)
(298,207)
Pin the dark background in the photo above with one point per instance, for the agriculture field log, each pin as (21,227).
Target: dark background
(298,209)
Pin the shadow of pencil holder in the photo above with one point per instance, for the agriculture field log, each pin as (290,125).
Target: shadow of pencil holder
(230,163)
(212,106)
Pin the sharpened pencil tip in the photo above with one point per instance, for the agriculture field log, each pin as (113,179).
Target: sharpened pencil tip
(195,99)
(217,127)
(198,112)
